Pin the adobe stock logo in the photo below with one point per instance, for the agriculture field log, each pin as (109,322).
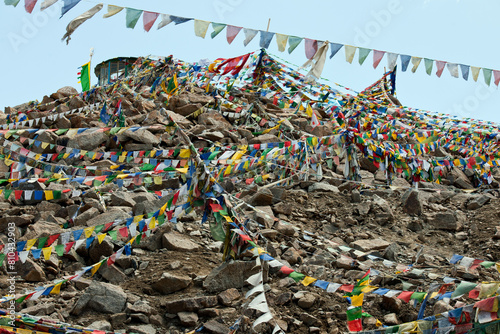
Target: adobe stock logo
(221,7)
(380,19)
(32,25)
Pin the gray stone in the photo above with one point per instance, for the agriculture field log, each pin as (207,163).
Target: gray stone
(391,319)
(102,325)
(442,221)
(321,186)
(122,198)
(102,298)
(263,197)
(142,329)
(285,229)
(30,271)
(228,275)
(188,319)
(411,202)
(97,250)
(142,136)
(169,283)
(227,297)
(178,242)
(88,140)
(85,216)
(215,327)
(107,217)
(477,202)
(367,245)
(189,304)
(265,138)
(307,301)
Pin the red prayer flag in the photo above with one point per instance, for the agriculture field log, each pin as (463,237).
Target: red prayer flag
(405,295)
(29,5)
(311,46)
(231,33)
(286,270)
(148,19)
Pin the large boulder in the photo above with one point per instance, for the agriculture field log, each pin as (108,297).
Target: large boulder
(88,140)
(102,298)
(228,275)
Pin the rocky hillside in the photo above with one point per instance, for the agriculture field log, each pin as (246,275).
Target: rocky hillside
(205,198)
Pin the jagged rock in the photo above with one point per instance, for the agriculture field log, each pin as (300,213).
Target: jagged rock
(459,179)
(215,327)
(411,202)
(320,186)
(367,245)
(178,242)
(88,140)
(101,297)
(142,329)
(442,221)
(85,216)
(285,229)
(141,135)
(227,297)
(478,202)
(264,139)
(189,304)
(103,249)
(263,197)
(391,319)
(441,307)
(188,319)
(122,198)
(307,301)
(228,275)
(169,283)
(102,325)
(107,217)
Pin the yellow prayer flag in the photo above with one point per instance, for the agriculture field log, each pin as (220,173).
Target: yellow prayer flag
(49,195)
(100,237)
(88,231)
(30,243)
(57,289)
(138,218)
(357,300)
(309,110)
(185,153)
(157,180)
(47,251)
(95,268)
(152,223)
(308,280)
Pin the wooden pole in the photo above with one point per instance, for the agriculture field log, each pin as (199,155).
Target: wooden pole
(268,24)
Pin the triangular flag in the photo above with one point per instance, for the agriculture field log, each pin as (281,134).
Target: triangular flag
(475,72)
(148,20)
(265,38)
(440,67)
(47,251)
(465,71)
(363,53)
(112,10)
(496,75)
(200,28)
(249,35)
(12,2)
(132,17)
(349,53)
(453,68)
(428,65)
(487,75)
(415,61)
(334,48)
(377,57)
(391,60)
(281,40)
(68,4)
(231,33)
(29,5)
(165,20)
(293,42)
(57,289)
(47,3)
(405,61)
(314,120)
(311,46)
(217,27)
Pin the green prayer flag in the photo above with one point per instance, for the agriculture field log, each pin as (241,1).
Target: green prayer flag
(487,75)
(363,53)
(487,264)
(113,234)
(21,299)
(354,313)
(42,241)
(85,77)
(217,231)
(297,277)
(293,42)
(60,250)
(463,288)
(98,228)
(57,194)
(133,16)
(12,2)
(419,296)
(428,65)
(2,257)
(218,27)
(7,193)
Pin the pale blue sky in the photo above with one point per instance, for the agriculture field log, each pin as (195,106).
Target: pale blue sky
(35,62)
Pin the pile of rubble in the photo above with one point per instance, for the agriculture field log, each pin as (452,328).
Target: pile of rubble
(106,194)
